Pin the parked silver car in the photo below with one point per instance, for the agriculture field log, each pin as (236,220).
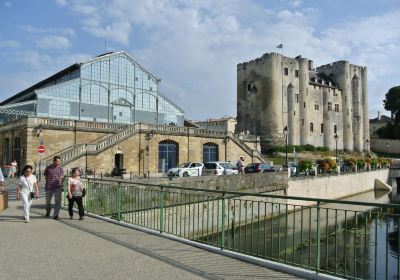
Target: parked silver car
(219,168)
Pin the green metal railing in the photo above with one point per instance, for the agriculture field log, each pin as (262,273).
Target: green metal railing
(353,240)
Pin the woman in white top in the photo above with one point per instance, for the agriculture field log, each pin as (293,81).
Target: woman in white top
(76,192)
(27,189)
(1,181)
(13,168)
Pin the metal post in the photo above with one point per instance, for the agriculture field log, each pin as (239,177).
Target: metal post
(286,133)
(286,140)
(318,237)
(223,222)
(118,202)
(162,210)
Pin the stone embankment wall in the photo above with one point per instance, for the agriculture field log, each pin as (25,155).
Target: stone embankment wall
(262,182)
(335,187)
(385,145)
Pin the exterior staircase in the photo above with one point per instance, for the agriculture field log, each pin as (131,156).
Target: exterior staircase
(100,144)
(74,152)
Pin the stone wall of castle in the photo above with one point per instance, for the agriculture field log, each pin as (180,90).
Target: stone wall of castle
(274,92)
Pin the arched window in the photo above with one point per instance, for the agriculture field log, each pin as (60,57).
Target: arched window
(210,152)
(311,127)
(168,155)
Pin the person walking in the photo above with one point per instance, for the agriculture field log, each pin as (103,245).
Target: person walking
(54,175)
(27,190)
(240,165)
(13,168)
(75,194)
(1,181)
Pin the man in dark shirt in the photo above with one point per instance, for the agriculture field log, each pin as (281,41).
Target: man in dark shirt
(54,175)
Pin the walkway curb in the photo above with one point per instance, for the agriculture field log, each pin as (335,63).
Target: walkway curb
(296,271)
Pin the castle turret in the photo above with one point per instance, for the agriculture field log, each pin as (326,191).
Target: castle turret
(364,77)
(357,113)
(303,100)
(293,128)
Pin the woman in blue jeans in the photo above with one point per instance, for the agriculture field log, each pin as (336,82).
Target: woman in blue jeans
(75,194)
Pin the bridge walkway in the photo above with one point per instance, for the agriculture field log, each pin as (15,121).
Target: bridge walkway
(95,249)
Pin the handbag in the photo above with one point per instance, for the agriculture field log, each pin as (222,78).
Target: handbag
(83,192)
(32,195)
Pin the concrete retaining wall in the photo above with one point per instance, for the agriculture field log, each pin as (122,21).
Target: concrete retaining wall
(335,187)
(391,146)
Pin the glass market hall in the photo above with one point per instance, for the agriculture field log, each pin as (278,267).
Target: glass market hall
(111,88)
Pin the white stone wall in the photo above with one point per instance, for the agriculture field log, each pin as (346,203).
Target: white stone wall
(379,145)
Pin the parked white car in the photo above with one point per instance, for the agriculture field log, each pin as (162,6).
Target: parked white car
(187,169)
(219,168)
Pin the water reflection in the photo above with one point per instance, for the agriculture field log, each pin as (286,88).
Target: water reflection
(355,241)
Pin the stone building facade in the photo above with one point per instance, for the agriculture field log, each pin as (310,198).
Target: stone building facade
(93,145)
(274,92)
(222,124)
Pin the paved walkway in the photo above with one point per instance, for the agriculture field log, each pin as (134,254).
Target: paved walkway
(94,249)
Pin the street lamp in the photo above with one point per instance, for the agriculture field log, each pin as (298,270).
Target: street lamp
(148,138)
(286,133)
(367,142)
(387,147)
(226,140)
(336,139)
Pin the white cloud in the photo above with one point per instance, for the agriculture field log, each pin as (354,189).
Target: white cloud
(61,2)
(295,3)
(53,42)
(9,44)
(194,46)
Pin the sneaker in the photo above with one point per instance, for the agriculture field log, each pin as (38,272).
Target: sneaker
(26,221)
(71,217)
(56,218)
(47,214)
(80,218)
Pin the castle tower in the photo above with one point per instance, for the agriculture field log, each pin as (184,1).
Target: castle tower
(315,104)
(303,100)
(364,78)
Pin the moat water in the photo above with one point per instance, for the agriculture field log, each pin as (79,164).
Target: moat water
(348,236)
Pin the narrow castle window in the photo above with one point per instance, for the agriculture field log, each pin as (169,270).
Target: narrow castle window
(296,73)
(316,106)
(286,71)
(302,122)
(336,107)
(334,128)
(296,97)
(329,106)
(311,127)
(304,104)
(322,128)
(294,113)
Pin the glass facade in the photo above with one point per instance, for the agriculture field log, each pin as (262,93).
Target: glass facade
(108,88)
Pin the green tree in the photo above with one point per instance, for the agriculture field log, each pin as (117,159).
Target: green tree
(392,103)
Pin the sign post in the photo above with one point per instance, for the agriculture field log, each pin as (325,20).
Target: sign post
(41,149)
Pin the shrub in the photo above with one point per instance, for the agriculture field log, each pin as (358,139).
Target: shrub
(310,148)
(374,163)
(331,163)
(305,165)
(361,164)
(323,149)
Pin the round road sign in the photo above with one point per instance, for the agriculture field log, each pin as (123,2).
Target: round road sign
(41,149)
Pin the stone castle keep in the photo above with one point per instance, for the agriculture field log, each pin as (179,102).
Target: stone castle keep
(274,92)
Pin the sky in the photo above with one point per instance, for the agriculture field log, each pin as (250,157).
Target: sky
(194,46)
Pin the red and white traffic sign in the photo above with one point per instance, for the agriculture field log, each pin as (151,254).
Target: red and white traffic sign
(41,149)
